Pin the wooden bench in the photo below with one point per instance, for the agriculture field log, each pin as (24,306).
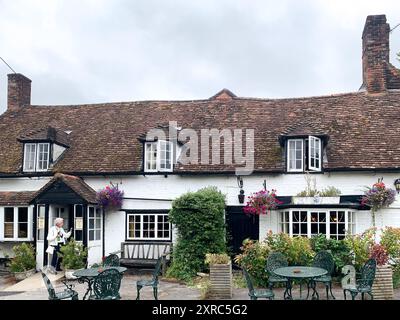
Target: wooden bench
(144,254)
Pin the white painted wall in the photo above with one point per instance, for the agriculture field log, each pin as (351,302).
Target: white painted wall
(172,186)
(23,184)
(57,151)
(157,186)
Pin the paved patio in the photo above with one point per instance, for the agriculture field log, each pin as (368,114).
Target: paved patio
(34,290)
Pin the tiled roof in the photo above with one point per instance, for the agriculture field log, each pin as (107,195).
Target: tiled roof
(16,198)
(363,130)
(79,186)
(45,134)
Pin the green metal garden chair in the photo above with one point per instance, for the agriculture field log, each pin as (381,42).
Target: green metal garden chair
(274,261)
(112,260)
(150,283)
(255,294)
(106,285)
(68,293)
(324,260)
(364,284)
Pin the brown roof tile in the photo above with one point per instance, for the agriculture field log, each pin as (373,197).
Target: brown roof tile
(45,134)
(16,198)
(79,186)
(363,130)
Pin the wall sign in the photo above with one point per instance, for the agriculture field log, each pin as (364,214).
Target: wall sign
(79,223)
(41,223)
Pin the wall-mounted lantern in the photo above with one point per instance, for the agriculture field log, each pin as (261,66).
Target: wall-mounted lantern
(397,185)
(241,192)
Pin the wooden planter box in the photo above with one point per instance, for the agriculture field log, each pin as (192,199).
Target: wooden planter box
(220,281)
(382,289)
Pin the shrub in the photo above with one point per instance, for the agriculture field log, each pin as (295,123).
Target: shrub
(396,276)
(253,258)
(338,248)
(390,239)
(74,255)
(297,249)
(24,258)
(360,246)
(199,219)
(330,192)
(379,253)
(215,258)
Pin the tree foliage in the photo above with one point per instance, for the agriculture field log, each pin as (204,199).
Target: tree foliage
(199,219)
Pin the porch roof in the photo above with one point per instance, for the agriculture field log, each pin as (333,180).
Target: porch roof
(76,184)
(16,198)
(346,201)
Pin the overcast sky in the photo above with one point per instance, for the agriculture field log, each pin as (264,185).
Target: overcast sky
(91,51)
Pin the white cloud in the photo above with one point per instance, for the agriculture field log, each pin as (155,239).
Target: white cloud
(96,51)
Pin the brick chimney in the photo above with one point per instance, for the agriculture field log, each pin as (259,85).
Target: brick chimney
(19,91)
(378,74)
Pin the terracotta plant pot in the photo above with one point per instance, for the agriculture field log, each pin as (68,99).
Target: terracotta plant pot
(24,274)
(382,289)
(220,281)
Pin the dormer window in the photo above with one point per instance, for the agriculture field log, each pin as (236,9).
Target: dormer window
(36,157)
(42,148)
(304,154)
(158,156)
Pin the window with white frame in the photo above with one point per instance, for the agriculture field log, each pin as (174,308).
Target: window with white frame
(148,226)
(94,220)
(158,156)
(40,222)
(299,223)
(314,153)
(295,156)
(334,224)
(78,222)
(304,154)
(29,157)
(36,157)
(43,153)
(16,223)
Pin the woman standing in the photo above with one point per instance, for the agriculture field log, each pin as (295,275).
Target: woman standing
(56,238)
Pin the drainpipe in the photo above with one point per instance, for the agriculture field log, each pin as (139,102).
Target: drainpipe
(104,232)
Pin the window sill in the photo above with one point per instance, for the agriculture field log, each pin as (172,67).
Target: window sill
(149,239)
(17,240)
(304,172)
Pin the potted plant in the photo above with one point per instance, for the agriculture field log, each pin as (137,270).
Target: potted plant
(74,257)
(261,202)
(311,195)
(382,287)
(110,197)
(378,197)
(220,275)
(24,262)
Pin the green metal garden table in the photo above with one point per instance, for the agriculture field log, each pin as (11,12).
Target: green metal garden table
(300,273)
(90,274)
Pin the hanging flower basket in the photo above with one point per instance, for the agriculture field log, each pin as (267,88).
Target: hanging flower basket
(110,197)
(378,196)
(261,202)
